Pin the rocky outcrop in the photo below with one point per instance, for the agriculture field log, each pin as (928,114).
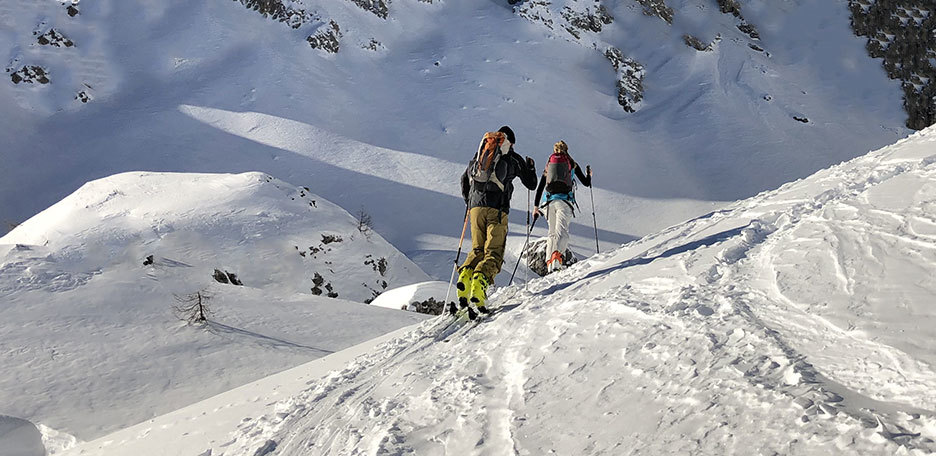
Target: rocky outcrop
(429,306)
(226,277)
(730,7)
(734,8)
(381,8)
(657,8)
(373,45)
(54,38)
(319,282)
(589,19)
(379,265)
(29,74)
(901,33)
(276,10)
(696,43)
(326,38)
(577,20)
(534,256)
(582,23)
(630,74)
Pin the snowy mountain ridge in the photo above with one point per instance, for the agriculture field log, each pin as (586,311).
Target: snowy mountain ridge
(88,288)
(713,126)
(795,322)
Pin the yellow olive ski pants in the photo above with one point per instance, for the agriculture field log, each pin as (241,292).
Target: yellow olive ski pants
(488,238)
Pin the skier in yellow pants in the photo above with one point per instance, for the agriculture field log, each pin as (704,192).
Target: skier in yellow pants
(487,187)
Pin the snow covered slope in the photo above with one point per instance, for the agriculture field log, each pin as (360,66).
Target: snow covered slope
(216,87)
(87,289)
(799,321)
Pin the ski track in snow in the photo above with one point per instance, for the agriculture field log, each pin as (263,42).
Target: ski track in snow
(709,350)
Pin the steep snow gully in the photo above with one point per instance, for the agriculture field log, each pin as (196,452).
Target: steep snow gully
(796,322)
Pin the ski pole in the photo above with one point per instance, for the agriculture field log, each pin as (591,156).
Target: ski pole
(591,191)
(528,217)
(457,255)
(530,230)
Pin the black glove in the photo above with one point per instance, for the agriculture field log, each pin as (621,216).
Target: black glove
(530,162)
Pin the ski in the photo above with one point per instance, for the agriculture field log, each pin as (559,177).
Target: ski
(468,324)
(455,321)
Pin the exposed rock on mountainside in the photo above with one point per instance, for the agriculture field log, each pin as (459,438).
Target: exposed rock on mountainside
(583,24)
(586,20)
(226,277)
(534,256)
(326,38)
(378,7)
(657,8)
(55,38)
(84,96)
(29,74)
(430,306)
(328,35)
(696,43)
(898,31)
(629,81)
(902,33)
(276,10)
(732,7)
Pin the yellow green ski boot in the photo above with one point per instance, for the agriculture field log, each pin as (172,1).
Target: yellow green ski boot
(464,286)
(479,286)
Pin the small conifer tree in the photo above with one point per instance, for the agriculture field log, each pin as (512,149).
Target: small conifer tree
(193,308)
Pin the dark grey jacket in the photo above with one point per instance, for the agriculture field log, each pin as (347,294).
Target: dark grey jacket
(489,195)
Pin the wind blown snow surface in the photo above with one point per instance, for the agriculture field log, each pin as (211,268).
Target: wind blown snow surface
(88,340)
(797,322)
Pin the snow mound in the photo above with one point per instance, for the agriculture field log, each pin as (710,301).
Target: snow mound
(264,231)
(796,322)
(88,288)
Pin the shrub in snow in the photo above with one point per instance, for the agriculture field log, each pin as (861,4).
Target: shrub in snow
(192,308)
(365,222)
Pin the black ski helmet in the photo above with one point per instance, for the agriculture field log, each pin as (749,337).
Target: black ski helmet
(510,134)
